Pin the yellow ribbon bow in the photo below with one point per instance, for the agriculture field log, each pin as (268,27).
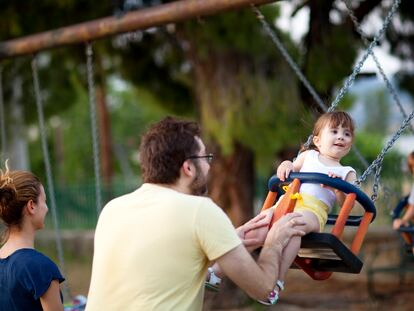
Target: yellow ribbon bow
(296,196)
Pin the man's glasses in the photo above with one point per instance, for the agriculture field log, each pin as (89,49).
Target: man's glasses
(209,157)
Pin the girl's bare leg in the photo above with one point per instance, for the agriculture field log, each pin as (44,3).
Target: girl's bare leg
(291,250)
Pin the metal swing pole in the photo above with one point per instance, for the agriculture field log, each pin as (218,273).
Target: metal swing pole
(171,12)
(94,126)
(48,168)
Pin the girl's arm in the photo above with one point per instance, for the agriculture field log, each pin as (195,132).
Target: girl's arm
(286,167)
(340,196)
(51,300)
(409,214)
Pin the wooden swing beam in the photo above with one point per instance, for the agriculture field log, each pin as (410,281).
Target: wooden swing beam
(136,20)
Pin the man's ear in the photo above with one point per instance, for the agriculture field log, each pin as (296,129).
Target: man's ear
(188,168)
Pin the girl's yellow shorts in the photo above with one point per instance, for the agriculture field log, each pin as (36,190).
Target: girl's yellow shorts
(314,205)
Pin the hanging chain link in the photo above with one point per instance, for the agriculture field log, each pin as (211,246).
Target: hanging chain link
(276,40)
(381,71)
(272,34)
(3,150)
(378,161)
(94,127)
(350,80)
(48,167)
(377,178)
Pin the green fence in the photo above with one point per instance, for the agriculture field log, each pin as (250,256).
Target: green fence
(76,205)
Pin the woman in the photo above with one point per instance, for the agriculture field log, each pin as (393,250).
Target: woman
(28,279)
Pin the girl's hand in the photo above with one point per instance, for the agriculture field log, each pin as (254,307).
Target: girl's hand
(398,222)
(332,175)
(284,170)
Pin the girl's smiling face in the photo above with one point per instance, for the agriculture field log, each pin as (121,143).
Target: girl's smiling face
(334,142)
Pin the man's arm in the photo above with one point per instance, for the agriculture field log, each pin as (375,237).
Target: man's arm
(258,279)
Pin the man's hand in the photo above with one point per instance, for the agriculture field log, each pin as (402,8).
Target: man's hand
(284,229)
(253,233)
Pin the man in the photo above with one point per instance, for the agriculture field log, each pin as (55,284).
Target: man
(154,245)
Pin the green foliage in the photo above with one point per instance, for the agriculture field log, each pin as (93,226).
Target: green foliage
(237,31)
(20,18)
(158,69)
(246,91)
(370,145)
(332,59)
(131,111)
(260,113)
(377,106)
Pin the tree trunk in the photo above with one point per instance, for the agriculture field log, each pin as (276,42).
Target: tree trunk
(231,183)
(232,173)
(319,28)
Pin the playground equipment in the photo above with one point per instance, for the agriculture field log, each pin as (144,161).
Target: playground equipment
(324,253)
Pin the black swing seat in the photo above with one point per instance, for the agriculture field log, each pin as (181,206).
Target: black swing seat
(328,253)
(406,232)
(410,231)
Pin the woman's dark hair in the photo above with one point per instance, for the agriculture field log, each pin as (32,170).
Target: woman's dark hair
(16,189)
(164,148)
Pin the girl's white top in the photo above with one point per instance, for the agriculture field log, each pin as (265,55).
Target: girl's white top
(311,164)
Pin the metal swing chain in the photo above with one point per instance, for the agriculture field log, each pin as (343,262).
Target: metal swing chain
(94,127)
(375,186)
(288,58)
(2,119)
(377,63)
(378,161)
(350,80)
(46,158)
(273,35)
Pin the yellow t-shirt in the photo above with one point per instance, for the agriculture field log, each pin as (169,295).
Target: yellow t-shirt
(152,249)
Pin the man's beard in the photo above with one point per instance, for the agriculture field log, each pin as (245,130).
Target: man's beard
(199,184)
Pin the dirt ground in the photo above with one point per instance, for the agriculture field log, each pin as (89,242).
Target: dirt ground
(340,292)
(392,289)
(347,293)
